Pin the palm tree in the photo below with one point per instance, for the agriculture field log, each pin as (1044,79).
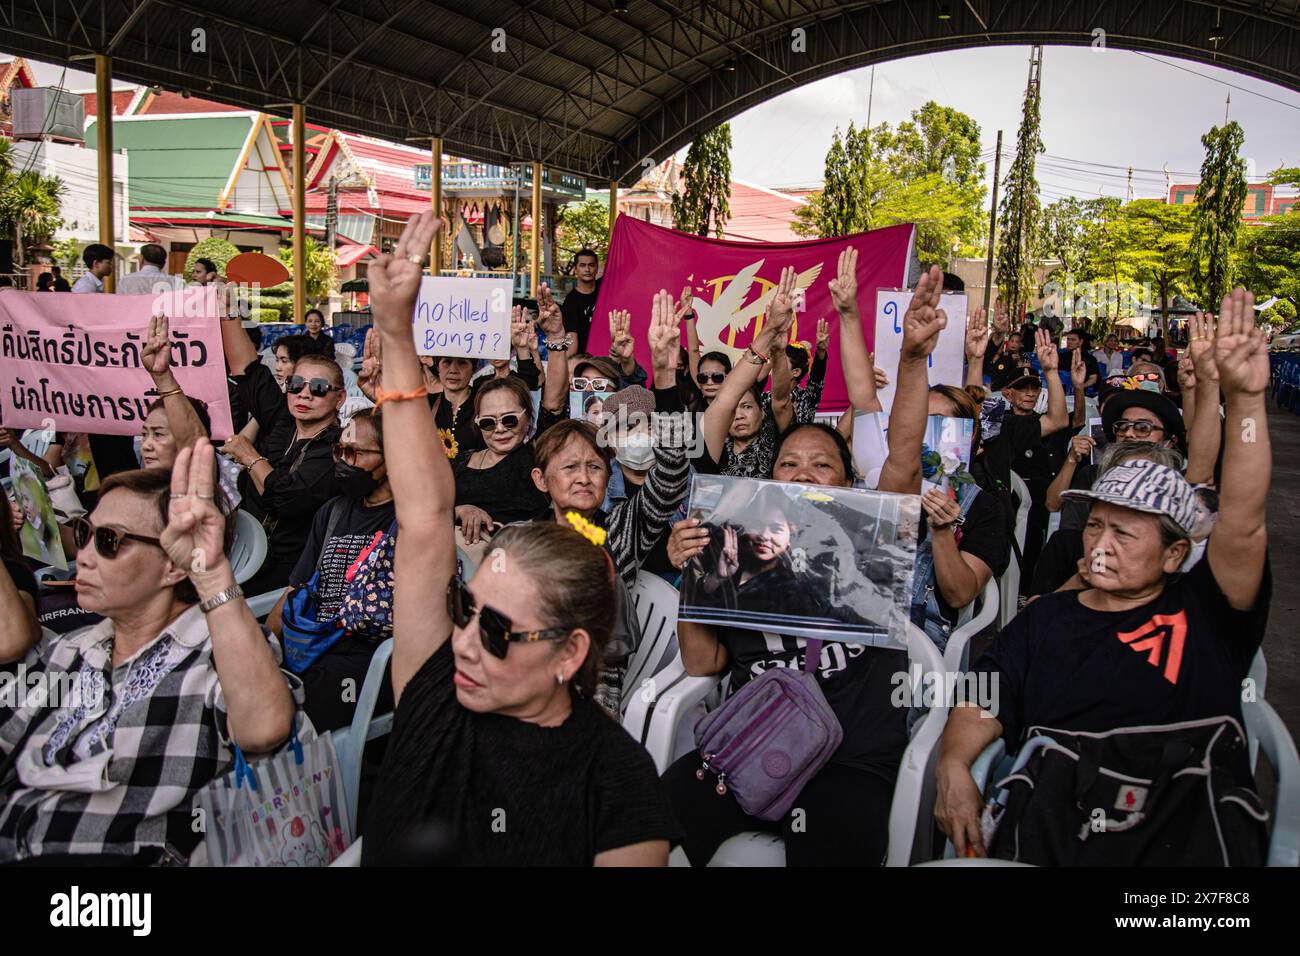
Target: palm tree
(29,203)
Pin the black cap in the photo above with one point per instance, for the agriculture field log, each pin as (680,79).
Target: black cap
(1008,373)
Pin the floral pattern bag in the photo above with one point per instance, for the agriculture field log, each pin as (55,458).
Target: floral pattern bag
(367,607)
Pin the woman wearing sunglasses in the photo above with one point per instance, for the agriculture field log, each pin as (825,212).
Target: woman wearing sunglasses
(494,484)
(497,756)
(175,674)
(289,469)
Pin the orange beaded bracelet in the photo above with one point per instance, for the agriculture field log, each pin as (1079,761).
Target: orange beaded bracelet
(381,396)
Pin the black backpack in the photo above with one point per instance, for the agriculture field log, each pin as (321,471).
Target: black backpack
(1137,796)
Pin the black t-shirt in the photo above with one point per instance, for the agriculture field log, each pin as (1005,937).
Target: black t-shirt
(577,310)
(23,578)
(1074,514)
(505,490)
(503,792)
(354,532)
(1021,448)
(985,534)
(858,681)
(1058,561)
(1180,657)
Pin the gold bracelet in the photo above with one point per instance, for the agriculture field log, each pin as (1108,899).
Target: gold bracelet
(171,391)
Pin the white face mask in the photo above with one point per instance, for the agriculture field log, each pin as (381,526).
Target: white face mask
(637,453)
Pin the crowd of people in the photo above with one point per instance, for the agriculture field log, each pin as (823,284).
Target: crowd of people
(493,519)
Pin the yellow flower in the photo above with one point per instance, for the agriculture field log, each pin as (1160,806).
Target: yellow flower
(593,533)
(449,443)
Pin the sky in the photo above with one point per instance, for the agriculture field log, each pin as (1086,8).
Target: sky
(1100,108)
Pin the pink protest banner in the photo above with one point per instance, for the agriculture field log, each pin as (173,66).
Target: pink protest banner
(74,360)
(732,283)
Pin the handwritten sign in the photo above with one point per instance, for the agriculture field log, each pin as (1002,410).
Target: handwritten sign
(463,317)
(76,360)
(946,362)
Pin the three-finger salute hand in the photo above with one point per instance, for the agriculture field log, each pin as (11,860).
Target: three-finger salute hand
(194,538)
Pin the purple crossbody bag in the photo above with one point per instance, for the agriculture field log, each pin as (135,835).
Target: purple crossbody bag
(770,738)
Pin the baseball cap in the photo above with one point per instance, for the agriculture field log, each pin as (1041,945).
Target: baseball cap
(1008,373)
(1145,486)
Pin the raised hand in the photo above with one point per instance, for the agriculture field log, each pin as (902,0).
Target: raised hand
(372,364)
(1200,349)
(1081,448)
(395,278)
(664,335)
(780,311)
(1048,357)
(1001,321)
(1240,351)
(519,329)
(157,353)
(977,335)
(548,313)
(823,336)
(924,319)
(685,305)
(621,344)
(729,559)
(195,532)
(844,287)
(1186,373)
(1078,370)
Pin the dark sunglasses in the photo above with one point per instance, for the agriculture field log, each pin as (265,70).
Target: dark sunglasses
(1140,428)
(717,378)
(488,423)
(320,387)
(108,541)
(348,453)
(493,626)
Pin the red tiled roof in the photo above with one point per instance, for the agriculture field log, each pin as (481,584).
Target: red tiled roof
(121,100)
(389,167)
(349,253)
(168,103)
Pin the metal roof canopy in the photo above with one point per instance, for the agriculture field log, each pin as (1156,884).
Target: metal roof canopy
(576,86)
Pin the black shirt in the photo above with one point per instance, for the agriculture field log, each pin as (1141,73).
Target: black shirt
(460,425)
(1180,657)
(354,531)
(302,476)
(985,534)
(323,343)
(577,310)
(505,490)
(858,681)
(1020,448)
(503,792)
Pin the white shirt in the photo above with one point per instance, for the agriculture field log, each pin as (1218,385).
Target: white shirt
(88,283)
(1112,360)
(149,280)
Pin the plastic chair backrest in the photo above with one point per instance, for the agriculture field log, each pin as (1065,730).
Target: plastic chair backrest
(353,404)
(956,655)
(248,550)
(37,440)
(656,612)
(350,742)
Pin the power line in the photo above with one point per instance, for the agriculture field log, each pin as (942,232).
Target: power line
(1214,79)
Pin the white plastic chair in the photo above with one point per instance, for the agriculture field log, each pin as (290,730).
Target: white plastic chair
(248,550)
(655,601)
(1009,583)
(350,742)
(353,404)
(912,808)
(956,658)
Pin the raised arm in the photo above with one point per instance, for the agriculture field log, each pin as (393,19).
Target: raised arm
(686,314)
(11,439)
(921,327)
(855,360)
(259,707)
(1079,382)
(237,346)
(717,419)
(1204,429)
(1238,545)
(555,394)
(182,419)
(1057,417)
(977,343)
(622,347)
(424,492)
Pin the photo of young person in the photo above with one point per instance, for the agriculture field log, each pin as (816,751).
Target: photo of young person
(800,559)
(40,532)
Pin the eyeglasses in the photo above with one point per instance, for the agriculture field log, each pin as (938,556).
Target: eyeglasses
(488,423)
(1146,377)
(717,378)
(320,387)
(348,454)
(493,626)
(1139,428)
(583,384)
(108,541)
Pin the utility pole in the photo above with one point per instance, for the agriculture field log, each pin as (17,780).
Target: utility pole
(993,225)
(1226,107)
(1128,196)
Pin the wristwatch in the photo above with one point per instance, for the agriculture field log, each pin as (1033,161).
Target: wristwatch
(560,346)
(221,597)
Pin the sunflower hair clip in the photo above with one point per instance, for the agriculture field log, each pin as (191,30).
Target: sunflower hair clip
(592,532)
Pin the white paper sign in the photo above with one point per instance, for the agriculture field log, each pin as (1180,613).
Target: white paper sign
(463,317)
(946,362)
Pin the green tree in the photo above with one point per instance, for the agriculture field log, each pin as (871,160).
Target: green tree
(1154,239)
(1281,313)
(944,142)
(581,225)
(1216,220)
(706,177)
(1020,214)
(1268,249)
(219,251)
(322,271)
(29,204)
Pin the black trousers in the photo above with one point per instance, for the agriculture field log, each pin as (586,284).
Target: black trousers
(845,818)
